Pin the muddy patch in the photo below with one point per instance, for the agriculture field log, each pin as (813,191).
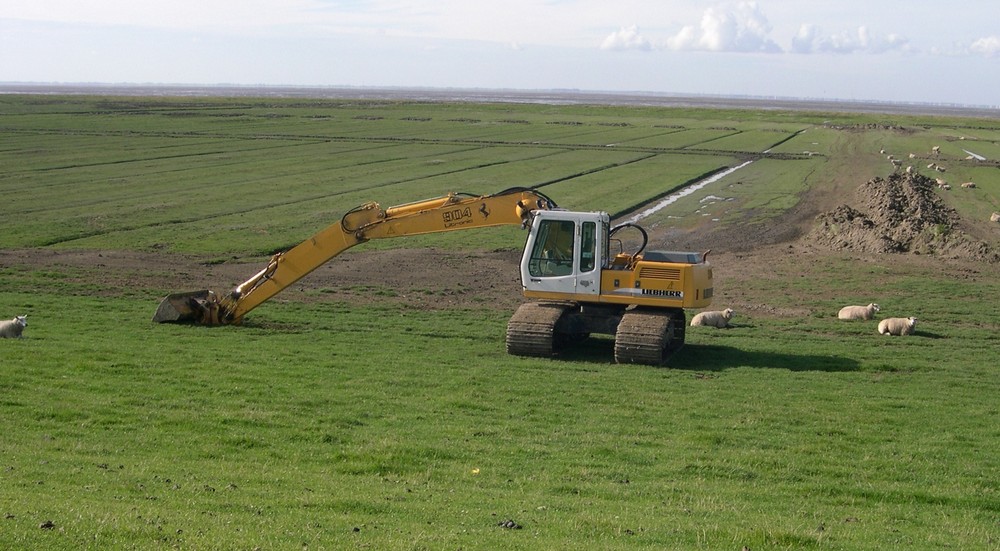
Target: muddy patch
(900,214)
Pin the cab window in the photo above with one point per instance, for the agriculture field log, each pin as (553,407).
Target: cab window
(553,252)
(588,246)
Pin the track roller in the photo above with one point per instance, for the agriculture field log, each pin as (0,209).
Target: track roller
(649,336)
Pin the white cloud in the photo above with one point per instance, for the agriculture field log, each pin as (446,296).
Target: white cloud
(810,39)
(740,27)
(806,39)
(626,38)
(988,46)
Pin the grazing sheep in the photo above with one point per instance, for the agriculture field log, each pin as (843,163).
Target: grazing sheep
(897,326)
(968,184)
(11,329)
(719,319)
(858,312)
(995,217)
(936,150)
(931,166)
(939,168)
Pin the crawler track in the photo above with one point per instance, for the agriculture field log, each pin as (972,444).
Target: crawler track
(642,336)
(531,330)
(649,336)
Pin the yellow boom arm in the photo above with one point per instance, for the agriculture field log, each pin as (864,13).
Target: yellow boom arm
(369,221)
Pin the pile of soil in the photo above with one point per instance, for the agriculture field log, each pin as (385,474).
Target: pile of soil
(900,214)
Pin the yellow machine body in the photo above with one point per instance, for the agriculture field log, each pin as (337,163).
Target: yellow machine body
(579,283)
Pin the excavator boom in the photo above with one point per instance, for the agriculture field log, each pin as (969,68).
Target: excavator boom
(369,221)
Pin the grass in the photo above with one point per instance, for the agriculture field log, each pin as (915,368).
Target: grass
(201,175)
(415,428)
(324,424)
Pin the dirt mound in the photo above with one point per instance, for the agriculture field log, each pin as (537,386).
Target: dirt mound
(899,214)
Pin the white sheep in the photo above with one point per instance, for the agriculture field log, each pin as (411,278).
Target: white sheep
(719,319)
(11,329)
(968,184)
(995,217)
(936,150)
(858,312)
(897,326)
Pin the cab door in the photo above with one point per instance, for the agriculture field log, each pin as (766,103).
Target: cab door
(589,259)
(563,255)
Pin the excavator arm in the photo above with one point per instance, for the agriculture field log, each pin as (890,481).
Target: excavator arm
(369,221)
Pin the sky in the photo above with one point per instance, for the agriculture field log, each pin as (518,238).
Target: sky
(907,51)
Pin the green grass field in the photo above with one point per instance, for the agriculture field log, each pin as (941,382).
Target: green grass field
(325,424)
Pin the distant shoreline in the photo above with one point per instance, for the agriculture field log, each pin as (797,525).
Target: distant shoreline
(554,97)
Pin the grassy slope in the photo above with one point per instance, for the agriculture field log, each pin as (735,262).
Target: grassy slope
(329,425)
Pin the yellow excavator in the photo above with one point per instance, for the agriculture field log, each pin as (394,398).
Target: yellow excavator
(578,284)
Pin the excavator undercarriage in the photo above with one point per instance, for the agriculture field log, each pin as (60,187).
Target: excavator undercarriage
(642,335)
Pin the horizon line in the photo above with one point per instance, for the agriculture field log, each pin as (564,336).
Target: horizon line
(511,94)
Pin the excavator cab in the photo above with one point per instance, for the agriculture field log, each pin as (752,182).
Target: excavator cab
(568,257)
(565,252)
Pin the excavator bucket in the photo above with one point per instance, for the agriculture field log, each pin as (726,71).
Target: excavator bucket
(184,307)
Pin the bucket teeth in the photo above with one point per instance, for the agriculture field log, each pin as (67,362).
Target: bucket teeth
(191,307)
